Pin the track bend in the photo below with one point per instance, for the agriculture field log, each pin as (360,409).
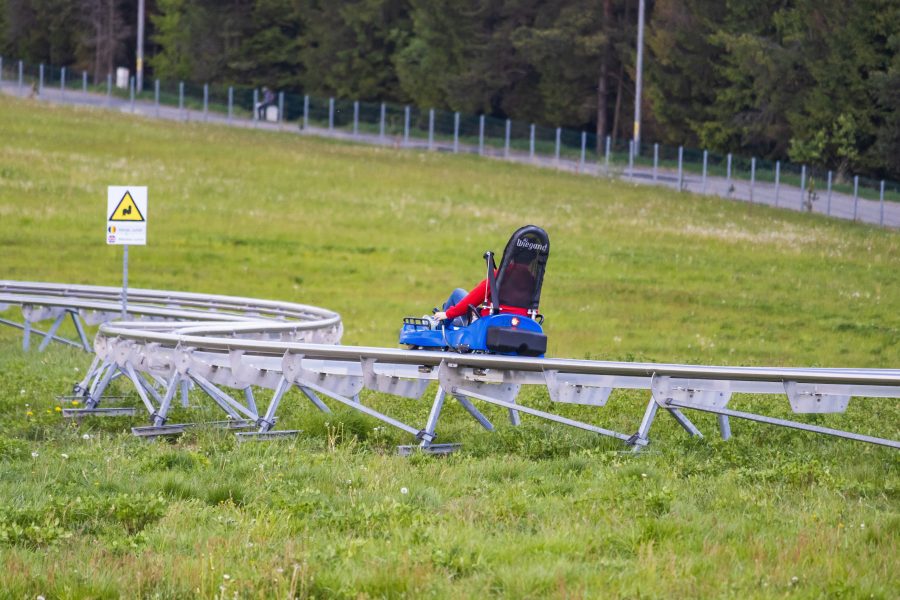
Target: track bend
(174,341)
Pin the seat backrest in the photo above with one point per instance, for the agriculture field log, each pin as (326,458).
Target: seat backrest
(521,271)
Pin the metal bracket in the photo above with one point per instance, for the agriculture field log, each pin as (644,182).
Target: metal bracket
(452,379)
(491,384)
(71,413)
(701,392)
(342,385)
(569,390)
(265,436)
(438,449)
(818,399)
(661,391)
(392,384)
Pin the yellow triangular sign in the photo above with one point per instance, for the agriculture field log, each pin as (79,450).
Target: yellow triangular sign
(126,210)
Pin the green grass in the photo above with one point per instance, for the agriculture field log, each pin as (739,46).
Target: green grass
(635,273)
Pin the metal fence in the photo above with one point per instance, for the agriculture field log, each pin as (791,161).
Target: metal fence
(781,184)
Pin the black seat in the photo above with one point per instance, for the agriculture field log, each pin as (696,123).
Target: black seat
(522,267)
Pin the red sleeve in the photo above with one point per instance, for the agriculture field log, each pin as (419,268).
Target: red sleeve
(475,298)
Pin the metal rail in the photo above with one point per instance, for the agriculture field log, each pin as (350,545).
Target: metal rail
(174,341)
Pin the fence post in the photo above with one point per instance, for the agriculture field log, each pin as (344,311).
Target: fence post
(456,132)
(855,195)
(881,204)
(777,179)
(803,186)
(752,177)
(631,158)
(131,92)
(506,143)
(62,81)
(655,161)
(531,143)
(607,153)
(728,177)
(41,81)
(156,98)
(381,123)
(280,110)
(406,125)
(703,178)
(583,149)
(331,114)
(21,76)
(680,168)
(558,134)
(230,101)
(356,117)
(205,101)
(84,82)
(828,210)
(305,111)
(481,135)
(181,100)
(108,89)
(431,129)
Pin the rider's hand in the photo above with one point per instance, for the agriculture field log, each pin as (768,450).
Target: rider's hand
(440,316)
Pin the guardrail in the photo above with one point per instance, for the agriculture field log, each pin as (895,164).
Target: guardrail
(238,343)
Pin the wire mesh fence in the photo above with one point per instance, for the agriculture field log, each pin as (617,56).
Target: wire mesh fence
(779,183)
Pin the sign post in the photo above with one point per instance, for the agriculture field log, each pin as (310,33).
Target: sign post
(126,224)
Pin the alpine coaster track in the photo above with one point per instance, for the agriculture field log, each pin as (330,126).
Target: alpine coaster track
(171,341)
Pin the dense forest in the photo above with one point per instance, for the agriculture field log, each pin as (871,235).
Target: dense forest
(814,81)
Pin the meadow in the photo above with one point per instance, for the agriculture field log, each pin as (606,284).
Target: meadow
(635,273)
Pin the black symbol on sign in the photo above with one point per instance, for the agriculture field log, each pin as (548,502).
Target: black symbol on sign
(126,211)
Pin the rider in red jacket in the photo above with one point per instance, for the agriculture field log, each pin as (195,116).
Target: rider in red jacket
(515,293)
(480,294)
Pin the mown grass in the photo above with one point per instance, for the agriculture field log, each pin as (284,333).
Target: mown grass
(535,511)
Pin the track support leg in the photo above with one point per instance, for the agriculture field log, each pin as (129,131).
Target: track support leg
(48,337)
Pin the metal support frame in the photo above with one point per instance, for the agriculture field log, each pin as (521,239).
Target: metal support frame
(161,358)
(724,412)
(28,329)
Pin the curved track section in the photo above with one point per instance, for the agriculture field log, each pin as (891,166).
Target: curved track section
(231,347)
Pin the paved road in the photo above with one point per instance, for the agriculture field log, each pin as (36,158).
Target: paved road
(789,197)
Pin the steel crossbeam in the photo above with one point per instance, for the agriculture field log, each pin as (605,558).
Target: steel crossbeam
(216,342)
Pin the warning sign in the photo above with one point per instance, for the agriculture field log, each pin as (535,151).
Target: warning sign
(126,215)
(126,210)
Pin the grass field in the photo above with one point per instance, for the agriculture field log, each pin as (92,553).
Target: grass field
(635,273)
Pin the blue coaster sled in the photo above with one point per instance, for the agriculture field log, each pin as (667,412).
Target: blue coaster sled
(493,329)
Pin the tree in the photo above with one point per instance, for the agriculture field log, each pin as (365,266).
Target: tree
(40,30)
(348,49)
(565,45)
(199,39)
(105,38)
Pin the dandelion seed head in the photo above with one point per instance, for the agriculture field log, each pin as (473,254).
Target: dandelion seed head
(403,490)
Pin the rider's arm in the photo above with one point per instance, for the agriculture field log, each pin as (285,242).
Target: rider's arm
(475,298)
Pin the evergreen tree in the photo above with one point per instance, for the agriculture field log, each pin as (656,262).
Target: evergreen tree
(348,48)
